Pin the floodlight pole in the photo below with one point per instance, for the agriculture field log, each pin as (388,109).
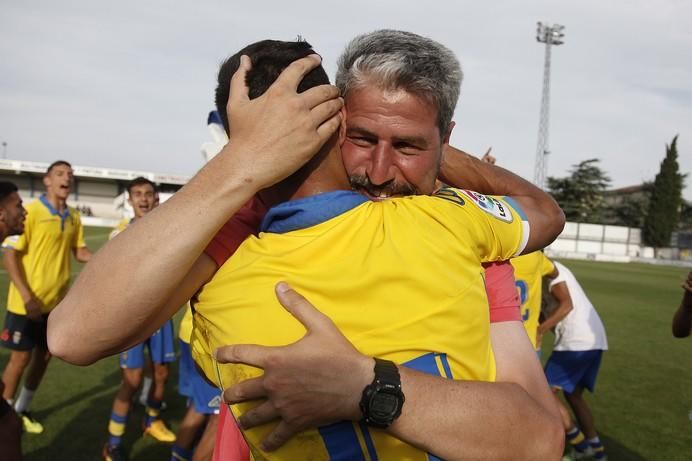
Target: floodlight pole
(550,35)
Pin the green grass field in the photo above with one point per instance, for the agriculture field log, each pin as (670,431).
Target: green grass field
(641,406)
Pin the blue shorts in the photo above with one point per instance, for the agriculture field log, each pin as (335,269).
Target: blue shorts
(160,345)
(205,397)
(568,370)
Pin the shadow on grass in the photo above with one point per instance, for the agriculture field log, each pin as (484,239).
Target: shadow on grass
(107,384)
(618,452)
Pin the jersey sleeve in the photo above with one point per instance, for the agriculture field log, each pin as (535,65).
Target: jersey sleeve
(79,235)
(243,224)
(547,266)
(503,298)
(497,225)
(15,242)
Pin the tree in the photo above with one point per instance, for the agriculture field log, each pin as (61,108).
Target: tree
(631,209)
(666,200)
(581,193)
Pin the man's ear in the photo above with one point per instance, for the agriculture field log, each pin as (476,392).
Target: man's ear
(448,134)
(342,127)
(46,181)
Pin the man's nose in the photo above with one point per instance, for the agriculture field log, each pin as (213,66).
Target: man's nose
(381,169)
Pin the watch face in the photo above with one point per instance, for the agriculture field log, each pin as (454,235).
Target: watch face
(383,406)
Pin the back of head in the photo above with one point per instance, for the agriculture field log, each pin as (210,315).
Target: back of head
(269,58)
(398,60)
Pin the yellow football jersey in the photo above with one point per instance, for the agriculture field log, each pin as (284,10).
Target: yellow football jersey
(185,329)
(401,278)
(529,271)
(44,253)
(121,226)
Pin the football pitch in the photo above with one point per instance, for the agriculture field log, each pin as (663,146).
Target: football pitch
(642,405)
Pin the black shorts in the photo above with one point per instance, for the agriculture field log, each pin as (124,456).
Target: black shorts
(22,334)
(4,407)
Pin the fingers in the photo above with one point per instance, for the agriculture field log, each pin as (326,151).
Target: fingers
(261,414)
(249,354)
(325,111)
(239,90)
(301,309)
(280,435)
(319,94)
(294,73)
(250,389)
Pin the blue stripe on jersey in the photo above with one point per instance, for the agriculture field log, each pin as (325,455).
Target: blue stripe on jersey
(309,211)
(445,365)
(516,207)
(341,442)
(425,363)
(368,441)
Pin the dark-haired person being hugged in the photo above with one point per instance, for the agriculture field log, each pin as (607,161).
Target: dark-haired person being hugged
(142,197)
(12,215)
(38,264)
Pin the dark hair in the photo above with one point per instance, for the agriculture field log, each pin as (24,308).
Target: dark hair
(140,181)
(6,189)
(269,58)
(57,163)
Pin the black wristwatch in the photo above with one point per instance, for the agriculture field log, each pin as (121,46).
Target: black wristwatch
(382,400)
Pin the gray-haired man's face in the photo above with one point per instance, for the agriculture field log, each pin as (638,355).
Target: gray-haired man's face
(392,144)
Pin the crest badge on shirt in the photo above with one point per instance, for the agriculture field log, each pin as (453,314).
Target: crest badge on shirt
(490,205)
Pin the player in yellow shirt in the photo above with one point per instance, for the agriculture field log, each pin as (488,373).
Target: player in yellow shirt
(366,268)
(529,271)
(142,196)
(38,264)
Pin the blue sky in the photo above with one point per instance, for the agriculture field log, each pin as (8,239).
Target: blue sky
(128,84)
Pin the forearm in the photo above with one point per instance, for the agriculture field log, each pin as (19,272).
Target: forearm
(16,274)
(458,420)
(682,321)
(137,272)
(460,169)
(560,312)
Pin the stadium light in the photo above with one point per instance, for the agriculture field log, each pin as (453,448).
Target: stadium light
(550,35)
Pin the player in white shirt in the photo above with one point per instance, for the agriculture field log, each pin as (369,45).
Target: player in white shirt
(580,340)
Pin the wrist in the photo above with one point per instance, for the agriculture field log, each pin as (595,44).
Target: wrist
(383,400)
(364,374)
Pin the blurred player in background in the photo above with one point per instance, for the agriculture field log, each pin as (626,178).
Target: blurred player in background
(580,340)
(12,215)
(142,196)
(682,321)
(38,263)
(204,401)
(529,271)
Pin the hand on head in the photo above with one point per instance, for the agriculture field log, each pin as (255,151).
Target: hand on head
(275,134)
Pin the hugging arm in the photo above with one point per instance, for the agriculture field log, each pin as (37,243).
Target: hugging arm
(135,278)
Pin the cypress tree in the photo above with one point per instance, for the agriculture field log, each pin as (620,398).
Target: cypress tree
(666,200)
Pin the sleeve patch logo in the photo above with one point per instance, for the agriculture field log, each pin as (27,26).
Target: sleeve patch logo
(490,205)
(450,195)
